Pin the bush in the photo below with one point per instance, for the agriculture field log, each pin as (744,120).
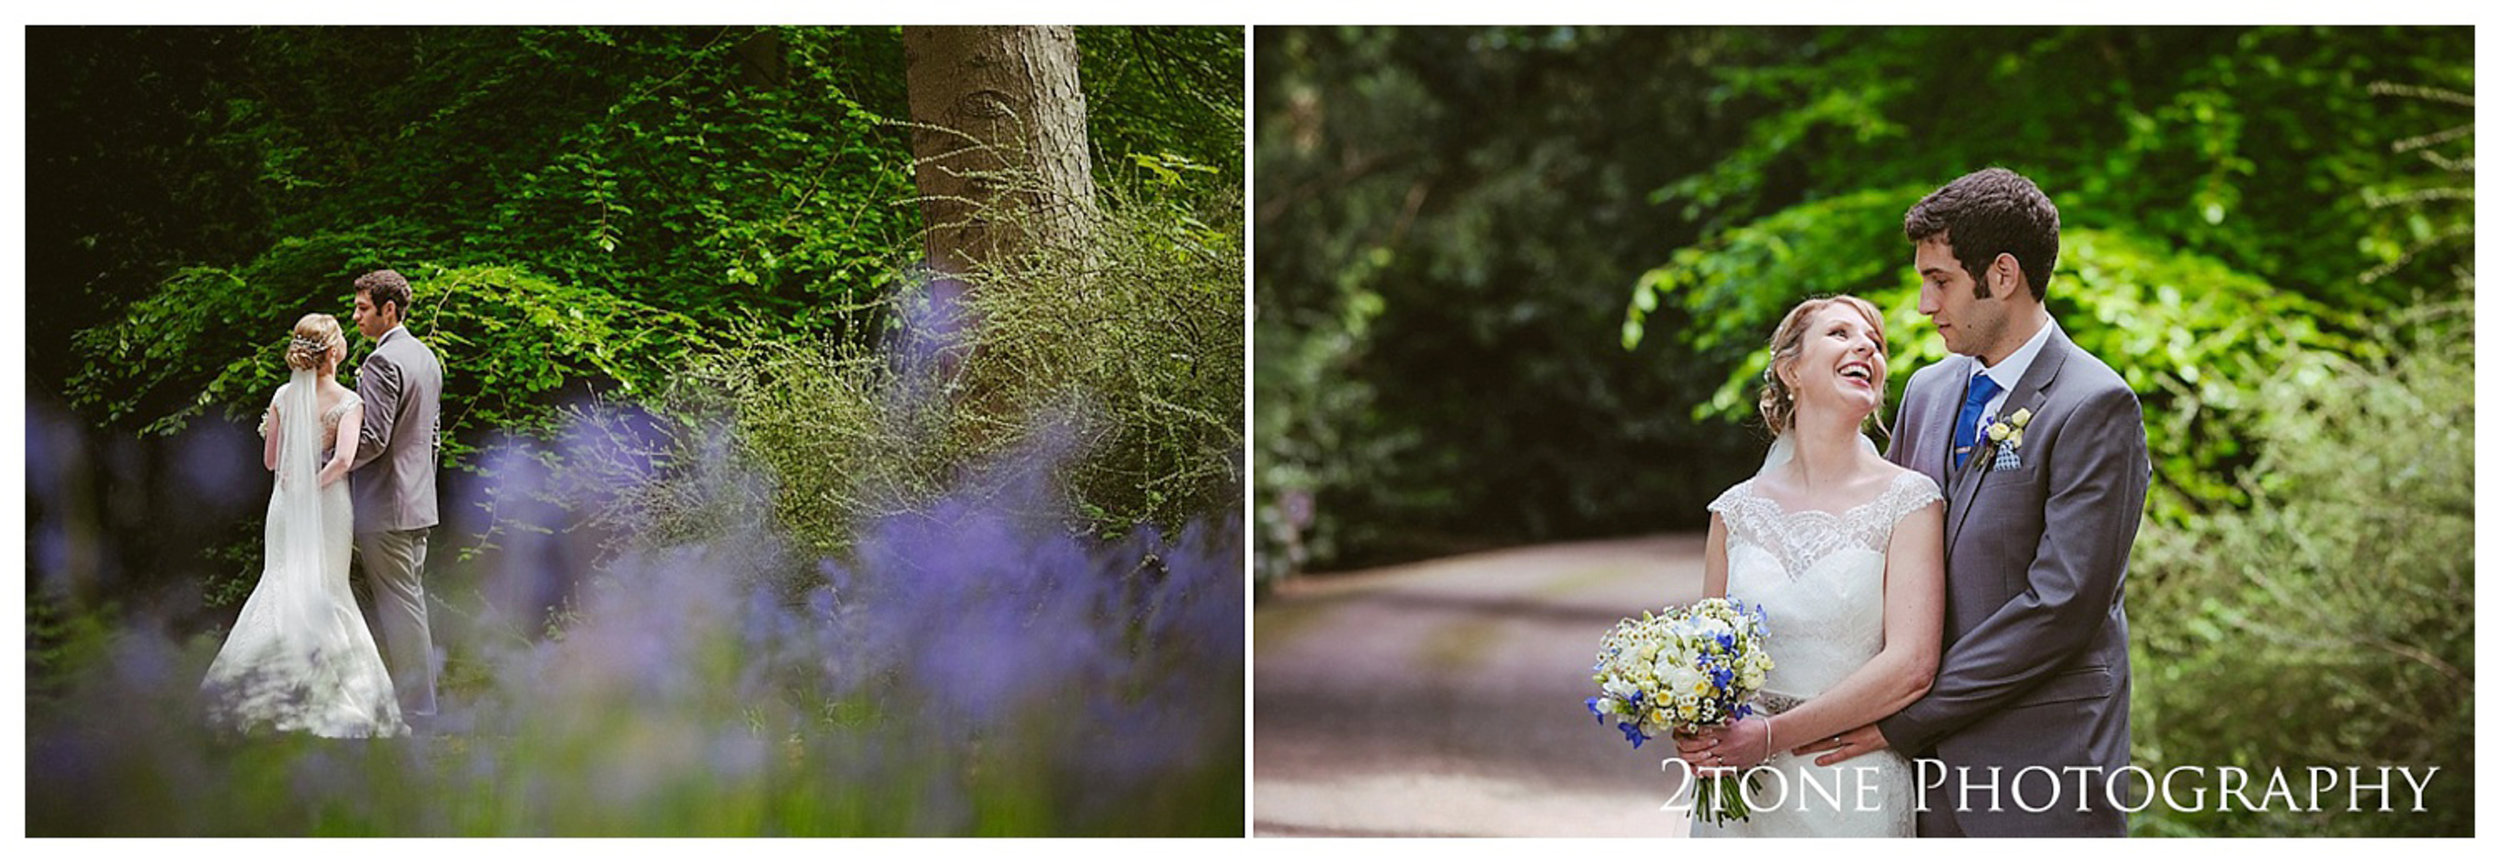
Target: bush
(2331,621)
(1119,359)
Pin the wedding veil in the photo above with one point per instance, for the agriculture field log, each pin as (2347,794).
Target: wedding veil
(1784,448)
(295,510)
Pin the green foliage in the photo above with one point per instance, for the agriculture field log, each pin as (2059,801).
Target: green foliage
(1316,428)
(705,182)
(1162,92)
(717,173)
(2331,621)
(2223,142)
(210,336)
(2193,186)
(510,342)
(582,174)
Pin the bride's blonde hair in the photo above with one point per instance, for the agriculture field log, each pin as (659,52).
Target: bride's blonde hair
(1778,404)
(315,335)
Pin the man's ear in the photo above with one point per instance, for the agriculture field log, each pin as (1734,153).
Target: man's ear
(2005,274)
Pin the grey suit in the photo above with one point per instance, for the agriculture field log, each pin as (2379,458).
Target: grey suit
(2034,671)
(401,384)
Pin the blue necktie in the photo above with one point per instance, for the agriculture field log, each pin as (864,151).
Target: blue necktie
(1966,423)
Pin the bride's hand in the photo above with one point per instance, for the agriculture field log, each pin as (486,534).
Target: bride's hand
(1745,742)
(1689,743)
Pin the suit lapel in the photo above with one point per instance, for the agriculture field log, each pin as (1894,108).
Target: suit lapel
(2029,393)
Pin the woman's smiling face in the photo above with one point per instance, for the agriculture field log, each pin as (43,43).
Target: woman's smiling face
(1840,363)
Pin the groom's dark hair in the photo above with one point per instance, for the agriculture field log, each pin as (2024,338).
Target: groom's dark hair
(1987,213)
(385,286)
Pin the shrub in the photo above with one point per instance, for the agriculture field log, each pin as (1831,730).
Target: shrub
(2331,621)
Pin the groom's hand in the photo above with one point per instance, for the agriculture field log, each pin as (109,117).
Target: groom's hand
(1847,745)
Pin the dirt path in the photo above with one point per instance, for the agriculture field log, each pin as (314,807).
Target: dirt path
(1444,697)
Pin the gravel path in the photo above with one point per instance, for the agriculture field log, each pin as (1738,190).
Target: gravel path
(1443,698)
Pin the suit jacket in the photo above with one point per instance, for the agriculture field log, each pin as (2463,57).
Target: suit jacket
(393,481)
(2034,668)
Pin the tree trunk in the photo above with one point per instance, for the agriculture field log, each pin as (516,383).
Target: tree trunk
(999,141)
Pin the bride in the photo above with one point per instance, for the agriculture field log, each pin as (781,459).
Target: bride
(1844,551)
(300,657)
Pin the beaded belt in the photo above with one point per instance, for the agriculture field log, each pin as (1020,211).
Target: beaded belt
(1773,703)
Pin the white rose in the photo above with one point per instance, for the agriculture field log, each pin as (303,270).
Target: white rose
(1680,681)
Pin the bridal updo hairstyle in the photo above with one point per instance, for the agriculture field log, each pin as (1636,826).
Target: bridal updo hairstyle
(315,335)
(1779,405)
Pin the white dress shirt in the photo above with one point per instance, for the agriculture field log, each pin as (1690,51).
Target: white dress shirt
(2009,371)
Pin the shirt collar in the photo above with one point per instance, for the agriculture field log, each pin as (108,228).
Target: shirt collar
(2010,371)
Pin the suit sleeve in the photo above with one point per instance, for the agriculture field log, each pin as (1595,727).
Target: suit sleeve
(2095,500)
(379,384)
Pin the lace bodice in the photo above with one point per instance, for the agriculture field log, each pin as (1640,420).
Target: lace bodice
(1819,576)
(329,418)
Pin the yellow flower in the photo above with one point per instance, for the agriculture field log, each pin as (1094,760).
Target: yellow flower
(2009,431)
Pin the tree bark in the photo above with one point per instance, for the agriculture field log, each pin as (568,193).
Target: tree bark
(999,141)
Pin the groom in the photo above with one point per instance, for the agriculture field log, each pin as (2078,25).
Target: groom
(393,483)
(2039,447)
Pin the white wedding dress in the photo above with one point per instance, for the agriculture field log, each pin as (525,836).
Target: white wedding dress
(300,657)
(1819,577)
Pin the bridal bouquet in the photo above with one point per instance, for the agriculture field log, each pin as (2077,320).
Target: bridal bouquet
(1686,668)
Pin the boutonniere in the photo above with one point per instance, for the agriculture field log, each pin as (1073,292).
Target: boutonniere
(2007,434)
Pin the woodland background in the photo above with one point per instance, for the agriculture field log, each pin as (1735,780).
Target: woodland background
(1513,286)
(772,504)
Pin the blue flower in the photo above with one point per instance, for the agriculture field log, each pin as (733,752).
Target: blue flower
(1601,715)
(1632,732)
